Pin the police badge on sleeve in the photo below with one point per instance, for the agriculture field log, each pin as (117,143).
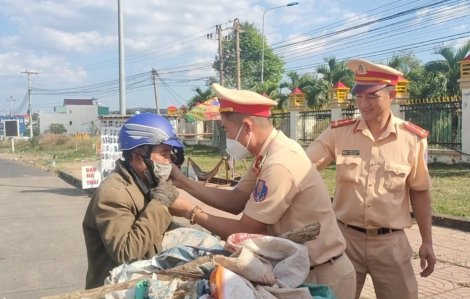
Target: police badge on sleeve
(261,191)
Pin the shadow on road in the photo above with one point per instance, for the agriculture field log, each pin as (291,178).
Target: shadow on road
(59,191)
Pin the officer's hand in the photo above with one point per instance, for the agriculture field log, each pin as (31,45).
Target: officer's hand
(426,253)
(165,193)
(177,176)
(181,208)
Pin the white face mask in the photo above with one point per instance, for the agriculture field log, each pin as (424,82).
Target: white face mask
(161,171)
(236,149)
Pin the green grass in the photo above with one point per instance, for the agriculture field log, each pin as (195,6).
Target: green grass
(450,191)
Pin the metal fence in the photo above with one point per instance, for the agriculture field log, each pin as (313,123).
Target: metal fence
(281,121)
(313,124)
(351,112)
(443,120)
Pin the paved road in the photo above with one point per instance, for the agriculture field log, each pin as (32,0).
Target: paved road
(42,251)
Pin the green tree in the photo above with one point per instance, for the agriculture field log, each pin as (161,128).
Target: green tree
(308,83)
(251,43)
(36,132)
(200,96)
(274,91)
(413,71)
(57,129)
(442,75)
(331,73)
(405,62)
(335,71)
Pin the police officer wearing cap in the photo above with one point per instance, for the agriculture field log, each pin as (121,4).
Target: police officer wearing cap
(281,191)
(381,168)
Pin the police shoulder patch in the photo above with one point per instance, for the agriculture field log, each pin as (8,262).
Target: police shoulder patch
(343,122)
(261,191)
(416,129)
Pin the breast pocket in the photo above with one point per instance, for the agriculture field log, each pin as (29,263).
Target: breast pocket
(395,176)
(349,168)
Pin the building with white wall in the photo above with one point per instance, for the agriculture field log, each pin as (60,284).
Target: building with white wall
(76,116)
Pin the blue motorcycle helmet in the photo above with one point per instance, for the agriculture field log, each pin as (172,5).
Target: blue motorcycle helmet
(147,129)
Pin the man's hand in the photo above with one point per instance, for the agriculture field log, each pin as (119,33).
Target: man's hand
(165,193)
(181,208)
(426,254)
(177,176)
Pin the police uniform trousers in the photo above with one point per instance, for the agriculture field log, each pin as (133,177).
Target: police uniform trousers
(386,257)
(338,274)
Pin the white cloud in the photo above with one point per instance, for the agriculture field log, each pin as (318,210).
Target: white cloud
(50,36)
(460,28)
(443,14)
(14,62)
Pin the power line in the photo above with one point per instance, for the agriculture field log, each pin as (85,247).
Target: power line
(396,15)
(391,30)
(97,65)
(361,43)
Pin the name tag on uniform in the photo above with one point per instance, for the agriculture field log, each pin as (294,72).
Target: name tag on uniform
(351,152)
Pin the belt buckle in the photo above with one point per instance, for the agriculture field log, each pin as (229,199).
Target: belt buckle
(372,232)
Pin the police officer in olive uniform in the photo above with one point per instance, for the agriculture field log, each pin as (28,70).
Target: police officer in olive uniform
(381,168)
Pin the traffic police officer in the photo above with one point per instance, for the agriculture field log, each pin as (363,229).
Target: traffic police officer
(280,192)
(381,168)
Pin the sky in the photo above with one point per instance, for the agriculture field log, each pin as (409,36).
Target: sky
(73,44)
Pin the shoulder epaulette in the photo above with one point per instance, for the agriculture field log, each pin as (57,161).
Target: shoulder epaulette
(343,122)
(415,129)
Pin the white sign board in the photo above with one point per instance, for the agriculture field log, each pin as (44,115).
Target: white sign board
(91,177)
(109,150)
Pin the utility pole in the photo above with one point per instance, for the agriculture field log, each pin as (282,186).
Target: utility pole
(122,77)
(154,73)
(29,73)
(236,26)
(11,105)
(221,56)
(220,39)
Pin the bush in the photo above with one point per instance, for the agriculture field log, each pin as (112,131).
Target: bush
(57,129)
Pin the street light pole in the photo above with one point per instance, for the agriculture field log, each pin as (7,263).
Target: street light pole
(262,35)
(122,65)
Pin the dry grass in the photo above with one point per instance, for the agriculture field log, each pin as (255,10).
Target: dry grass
(59,147)
(207,158)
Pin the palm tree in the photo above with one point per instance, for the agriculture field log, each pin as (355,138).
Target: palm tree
(273,91)
(443,74)
(200,96)
(336,71)
(305,82)
(332,73)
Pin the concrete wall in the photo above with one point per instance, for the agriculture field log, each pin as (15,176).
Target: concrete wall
(465,86)
(444,156)
(76,119)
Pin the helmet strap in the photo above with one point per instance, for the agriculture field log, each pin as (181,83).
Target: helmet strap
(149,163)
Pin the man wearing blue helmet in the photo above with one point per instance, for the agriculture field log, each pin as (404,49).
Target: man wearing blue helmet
(129,213)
